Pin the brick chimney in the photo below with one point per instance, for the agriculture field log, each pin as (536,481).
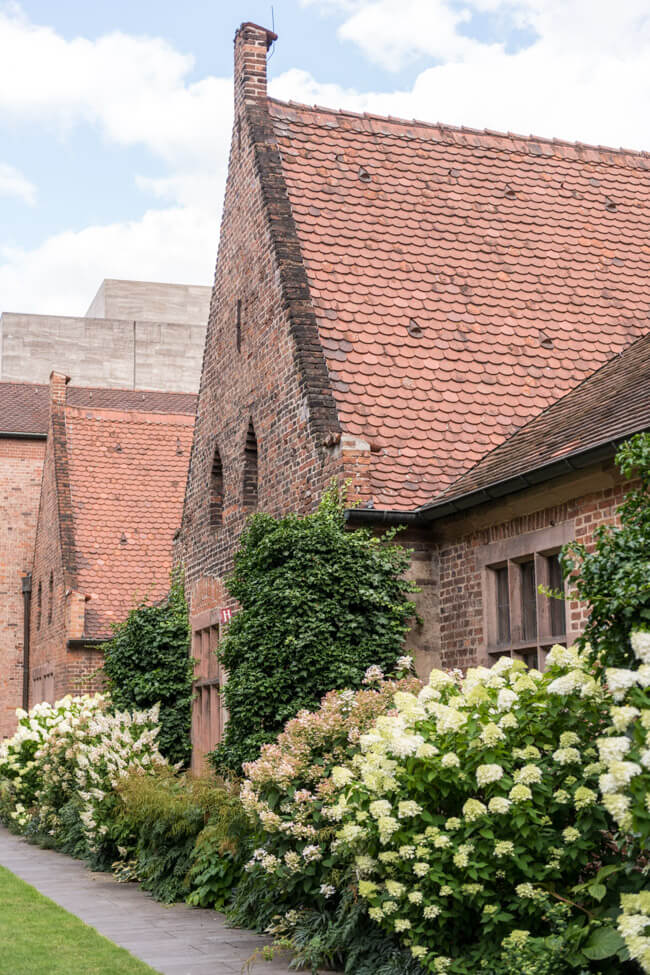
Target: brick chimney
(251,45)
(58,384)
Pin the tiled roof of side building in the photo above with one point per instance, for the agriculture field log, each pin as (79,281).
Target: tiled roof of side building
(462,281)
(25,407)
(611,404)
(127,472)
(144,400)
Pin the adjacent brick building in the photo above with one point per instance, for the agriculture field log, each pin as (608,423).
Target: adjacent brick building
(112,493)
(23,429)
(392,300)
(135,334)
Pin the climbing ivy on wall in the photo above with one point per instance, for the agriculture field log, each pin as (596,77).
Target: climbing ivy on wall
(147,661)
(319,605)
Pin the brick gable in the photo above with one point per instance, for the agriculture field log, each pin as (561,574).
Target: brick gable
(110,503)
(263,363)
(21,466)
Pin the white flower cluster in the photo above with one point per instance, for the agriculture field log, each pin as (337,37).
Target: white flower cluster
(445,731)
(634,926)
(75,747)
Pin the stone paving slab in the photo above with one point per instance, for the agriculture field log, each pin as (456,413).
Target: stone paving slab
(174,939)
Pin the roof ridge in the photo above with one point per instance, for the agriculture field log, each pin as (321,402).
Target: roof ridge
(463,130)
(23,382)
(128,389)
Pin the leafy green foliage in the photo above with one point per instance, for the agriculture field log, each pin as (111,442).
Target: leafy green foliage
(614,577)
(162,818)
(147,661)
(345,939)
(320,604)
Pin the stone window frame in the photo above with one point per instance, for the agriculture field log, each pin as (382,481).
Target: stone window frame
(209,714)
(511,554)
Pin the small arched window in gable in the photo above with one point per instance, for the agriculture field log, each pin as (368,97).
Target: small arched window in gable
(250,470)
(238,326)
(216,490)
(50,598)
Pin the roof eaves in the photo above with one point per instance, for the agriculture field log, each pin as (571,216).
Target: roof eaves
(444,507)
(22,435)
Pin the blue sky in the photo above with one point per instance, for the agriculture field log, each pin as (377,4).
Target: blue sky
(115,117)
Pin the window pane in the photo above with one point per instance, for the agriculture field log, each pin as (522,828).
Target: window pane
(503,605)
(529,657)
(528,601)
(558,608)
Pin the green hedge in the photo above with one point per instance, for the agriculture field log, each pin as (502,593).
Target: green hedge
(147,661)
(319,605)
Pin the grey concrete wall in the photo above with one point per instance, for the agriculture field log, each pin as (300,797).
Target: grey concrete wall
(102,351)
(187,304)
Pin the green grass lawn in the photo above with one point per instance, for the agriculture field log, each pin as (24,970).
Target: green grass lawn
(37,937)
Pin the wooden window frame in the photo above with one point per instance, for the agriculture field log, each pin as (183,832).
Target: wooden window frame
(209,714)
(511,553)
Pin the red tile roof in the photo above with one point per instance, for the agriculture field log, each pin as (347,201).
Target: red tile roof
(462,281)
(147,400)
(24,409)
(127,472)
(611,404)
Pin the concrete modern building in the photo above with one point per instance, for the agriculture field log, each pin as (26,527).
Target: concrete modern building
(135,335)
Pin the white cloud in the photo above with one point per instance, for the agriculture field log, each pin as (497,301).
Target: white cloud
(135,91)
(13,183)
(61,276)
(586,77)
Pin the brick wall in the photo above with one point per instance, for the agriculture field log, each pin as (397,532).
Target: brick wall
(58,608)
(48,611)
(263,362)
(21,464)
(461,586)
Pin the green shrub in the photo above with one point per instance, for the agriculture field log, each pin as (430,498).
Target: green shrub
(613,575)
(294,882)
(162,817)
(476,825)
(319,605)
(147,662)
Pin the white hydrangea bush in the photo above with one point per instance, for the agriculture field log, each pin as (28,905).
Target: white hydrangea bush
(113,746)
(23,766)
(624,751)
(74,752)
(288,788)
(473,813)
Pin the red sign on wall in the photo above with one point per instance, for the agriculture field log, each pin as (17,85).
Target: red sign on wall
(225,615)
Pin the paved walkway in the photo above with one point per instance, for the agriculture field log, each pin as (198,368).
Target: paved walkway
(175,940)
